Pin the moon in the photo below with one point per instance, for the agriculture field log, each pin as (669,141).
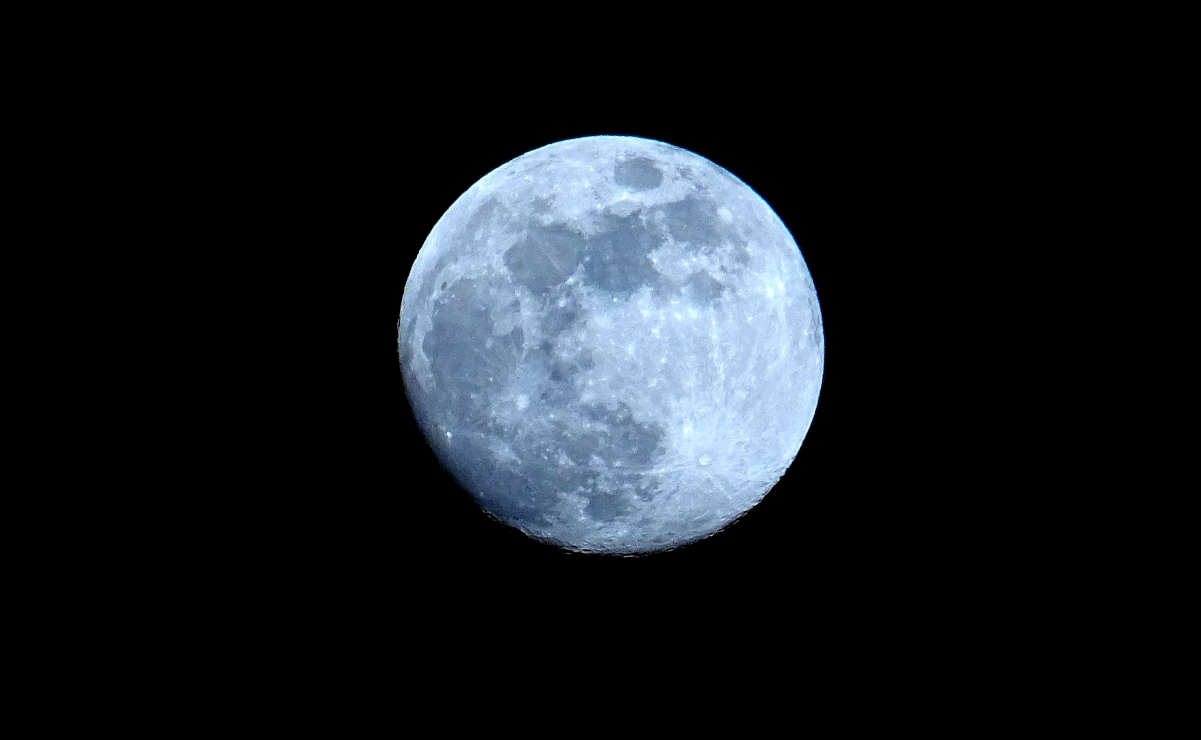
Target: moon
(613,344)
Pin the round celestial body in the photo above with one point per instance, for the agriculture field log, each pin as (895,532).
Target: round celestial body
(613,344)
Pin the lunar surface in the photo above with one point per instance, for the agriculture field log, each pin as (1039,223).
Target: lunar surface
(612,344)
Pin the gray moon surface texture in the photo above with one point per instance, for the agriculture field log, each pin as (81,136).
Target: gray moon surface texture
(613,344)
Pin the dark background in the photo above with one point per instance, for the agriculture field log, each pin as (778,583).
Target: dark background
(301,506)
(850,506)
(343,183)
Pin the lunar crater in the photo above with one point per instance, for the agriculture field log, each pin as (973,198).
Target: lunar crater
(639,173)
(620,257)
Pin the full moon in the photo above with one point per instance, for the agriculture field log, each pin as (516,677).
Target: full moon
(613,344)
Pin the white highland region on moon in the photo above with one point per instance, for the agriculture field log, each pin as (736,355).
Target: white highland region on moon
(613,344)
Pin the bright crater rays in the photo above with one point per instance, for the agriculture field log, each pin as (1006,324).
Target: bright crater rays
(613,344)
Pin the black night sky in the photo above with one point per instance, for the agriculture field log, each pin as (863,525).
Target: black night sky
(874,507)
